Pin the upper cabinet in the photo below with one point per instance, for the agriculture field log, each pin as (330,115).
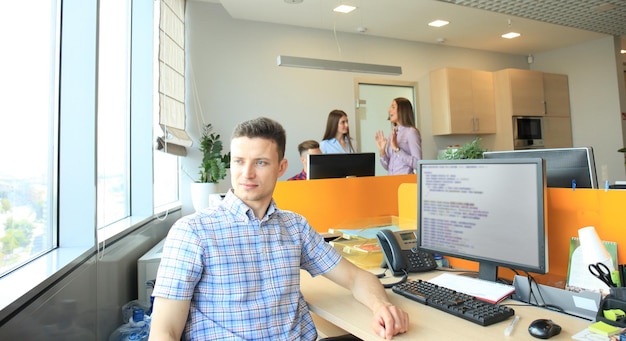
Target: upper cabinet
(556,93)
(531,93)
(462,102)
(519,92)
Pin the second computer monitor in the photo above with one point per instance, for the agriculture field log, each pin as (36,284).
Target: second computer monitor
(322,166)
(565,167)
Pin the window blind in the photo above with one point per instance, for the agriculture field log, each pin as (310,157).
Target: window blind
(172,118)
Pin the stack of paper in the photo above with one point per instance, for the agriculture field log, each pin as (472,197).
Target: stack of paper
(491,292)
(366,233)
(604,329)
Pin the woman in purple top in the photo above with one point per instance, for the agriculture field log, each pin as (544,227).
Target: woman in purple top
(400,152)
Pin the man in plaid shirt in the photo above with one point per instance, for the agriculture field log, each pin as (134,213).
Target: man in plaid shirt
(232,272)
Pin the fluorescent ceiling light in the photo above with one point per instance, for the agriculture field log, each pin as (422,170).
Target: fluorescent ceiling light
(344,9)
(511,35)
(334,65)
(438,23)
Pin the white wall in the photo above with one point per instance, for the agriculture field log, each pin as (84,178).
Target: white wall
(594,87)
(231,65)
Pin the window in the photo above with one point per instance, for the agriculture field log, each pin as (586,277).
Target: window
(113,188)
(165,177)
(27,131)
(53,140)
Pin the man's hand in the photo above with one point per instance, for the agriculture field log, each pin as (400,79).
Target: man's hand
(390,320)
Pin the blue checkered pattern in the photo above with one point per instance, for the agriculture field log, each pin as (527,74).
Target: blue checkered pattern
(242,274)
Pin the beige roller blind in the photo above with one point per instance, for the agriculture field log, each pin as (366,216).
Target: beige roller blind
(172,77)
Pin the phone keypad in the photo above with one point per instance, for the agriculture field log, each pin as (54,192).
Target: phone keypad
(420,261)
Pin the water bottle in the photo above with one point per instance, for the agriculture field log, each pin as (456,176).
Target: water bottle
(137,328)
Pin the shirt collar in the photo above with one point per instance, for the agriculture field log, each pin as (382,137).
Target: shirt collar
(239,209)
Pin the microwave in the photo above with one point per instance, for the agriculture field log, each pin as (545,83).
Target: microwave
(528,132)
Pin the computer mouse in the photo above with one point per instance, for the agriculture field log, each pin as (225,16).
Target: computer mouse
(543,328)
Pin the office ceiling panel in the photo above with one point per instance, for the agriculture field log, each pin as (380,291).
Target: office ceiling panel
(602,16)
(477,24)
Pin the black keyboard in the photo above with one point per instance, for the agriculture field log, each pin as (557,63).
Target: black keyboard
(454,302)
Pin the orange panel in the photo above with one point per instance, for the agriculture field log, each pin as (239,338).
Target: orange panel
(568,211)
(327,203)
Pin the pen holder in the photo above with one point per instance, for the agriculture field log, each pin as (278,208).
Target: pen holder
(610,303)
(618,293)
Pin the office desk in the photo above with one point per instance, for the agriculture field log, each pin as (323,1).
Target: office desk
(336,305)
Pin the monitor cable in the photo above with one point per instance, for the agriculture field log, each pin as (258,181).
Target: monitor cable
(543,303)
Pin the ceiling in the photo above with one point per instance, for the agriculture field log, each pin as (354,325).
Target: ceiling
(477,24)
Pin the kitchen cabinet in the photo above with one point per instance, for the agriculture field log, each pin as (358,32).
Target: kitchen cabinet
(557,132)
(556,93)
(519,92)
(531,93)
(462,102)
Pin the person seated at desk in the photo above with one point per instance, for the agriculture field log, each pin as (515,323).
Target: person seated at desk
(337,134)
(305,148)
(232,271)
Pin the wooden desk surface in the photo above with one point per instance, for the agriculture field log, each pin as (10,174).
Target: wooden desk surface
(336,305)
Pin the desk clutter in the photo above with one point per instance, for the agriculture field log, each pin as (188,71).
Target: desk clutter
(589,279)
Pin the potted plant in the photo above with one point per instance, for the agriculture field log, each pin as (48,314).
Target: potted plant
(212,169)
(214,164)
(470,150)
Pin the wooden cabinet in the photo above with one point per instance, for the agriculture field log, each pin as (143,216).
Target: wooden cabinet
(519,92)
(462,102)
(533,93)
(556,93)
(557,132)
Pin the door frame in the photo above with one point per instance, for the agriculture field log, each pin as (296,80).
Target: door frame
(384,82)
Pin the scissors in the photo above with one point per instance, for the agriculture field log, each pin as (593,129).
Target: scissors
(602,272)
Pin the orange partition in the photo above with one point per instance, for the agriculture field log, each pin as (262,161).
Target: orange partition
(327,203)
(568,211)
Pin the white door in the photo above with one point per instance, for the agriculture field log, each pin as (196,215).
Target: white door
(373,100)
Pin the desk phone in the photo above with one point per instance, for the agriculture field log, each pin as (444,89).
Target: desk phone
(401,254)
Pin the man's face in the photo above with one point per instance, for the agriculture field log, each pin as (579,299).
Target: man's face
(255,168)
(303,157)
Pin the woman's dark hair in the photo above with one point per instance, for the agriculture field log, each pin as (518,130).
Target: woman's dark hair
(332,124)
(406,116)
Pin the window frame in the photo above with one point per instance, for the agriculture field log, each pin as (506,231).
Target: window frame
(76,174)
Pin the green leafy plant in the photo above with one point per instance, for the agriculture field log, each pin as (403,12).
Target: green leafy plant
(214,163)
(470,150)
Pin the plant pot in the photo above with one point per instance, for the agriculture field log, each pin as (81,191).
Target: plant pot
(201,192)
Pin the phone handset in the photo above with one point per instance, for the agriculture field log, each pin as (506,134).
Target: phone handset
(401,254)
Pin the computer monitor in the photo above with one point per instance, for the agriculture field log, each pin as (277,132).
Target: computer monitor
(323,166)
(488,211)
(563,165)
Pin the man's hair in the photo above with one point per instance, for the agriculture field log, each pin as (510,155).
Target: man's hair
(264,128)
(306,145)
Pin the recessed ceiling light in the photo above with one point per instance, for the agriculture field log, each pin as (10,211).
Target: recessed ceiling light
(344,9)
(438,23)
(510,35)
